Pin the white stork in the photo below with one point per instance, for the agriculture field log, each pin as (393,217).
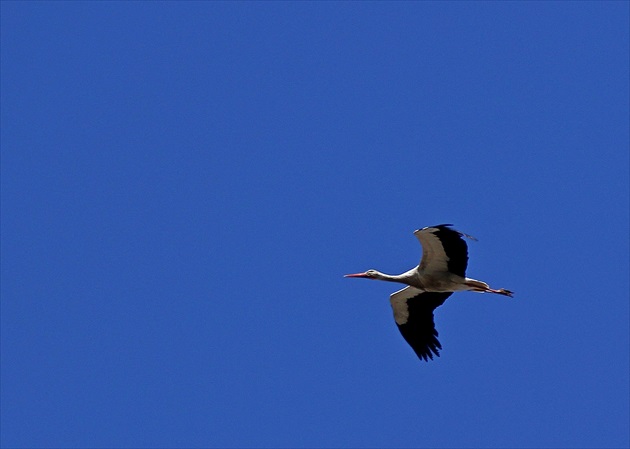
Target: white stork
(441,272)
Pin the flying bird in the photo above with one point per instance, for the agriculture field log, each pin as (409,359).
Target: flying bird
(441,272)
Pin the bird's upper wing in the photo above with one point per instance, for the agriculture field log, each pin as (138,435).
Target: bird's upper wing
(413,312)
(443,249)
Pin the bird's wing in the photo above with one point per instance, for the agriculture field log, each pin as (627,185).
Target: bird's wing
(443,249)
(413,312)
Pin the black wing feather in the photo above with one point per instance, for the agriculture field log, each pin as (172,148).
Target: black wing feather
(419,330)
(455,248)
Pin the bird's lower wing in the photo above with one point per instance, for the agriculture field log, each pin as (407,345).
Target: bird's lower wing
(413,311)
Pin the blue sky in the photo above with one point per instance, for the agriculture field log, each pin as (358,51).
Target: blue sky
(184,185)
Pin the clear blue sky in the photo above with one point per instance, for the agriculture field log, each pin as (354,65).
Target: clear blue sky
(184,185)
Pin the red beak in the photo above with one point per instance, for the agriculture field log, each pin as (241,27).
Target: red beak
(356,275)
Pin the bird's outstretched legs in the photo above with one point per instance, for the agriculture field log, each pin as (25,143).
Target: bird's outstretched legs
(501,291)
(482,287)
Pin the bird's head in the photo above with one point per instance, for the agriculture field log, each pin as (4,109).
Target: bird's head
(369,274)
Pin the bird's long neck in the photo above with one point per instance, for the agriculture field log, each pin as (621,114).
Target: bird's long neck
(403,278)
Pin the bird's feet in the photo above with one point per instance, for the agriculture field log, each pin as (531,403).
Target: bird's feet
(500,291)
